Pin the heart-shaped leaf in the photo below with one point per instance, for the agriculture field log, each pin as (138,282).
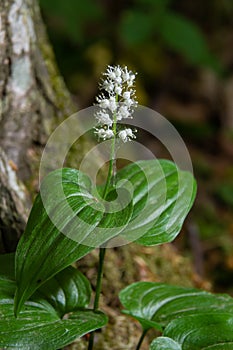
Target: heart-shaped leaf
(156,304)
(66,222)
(201,332)
(164,343)
(148,204)
(44,322)
(162,198)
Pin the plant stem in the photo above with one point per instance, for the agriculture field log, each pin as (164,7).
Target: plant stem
(99,278)
(101,255)
(141,339)
(111,172)
(111,169)
(98,291)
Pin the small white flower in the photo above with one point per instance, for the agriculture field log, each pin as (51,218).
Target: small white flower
(126,135)
(103,118)
(126,95)
(108,86)
(112,75)
(123,112)
(118,90)
(130,81)
(129,103)
(103,103)
(109,134)
(125,76)
(118,71)
(112,105)
(104,133)
(118,80)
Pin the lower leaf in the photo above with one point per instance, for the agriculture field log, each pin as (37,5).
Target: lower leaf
(164,343)
(200,332)
(54,316)
(154,304)
(38,328)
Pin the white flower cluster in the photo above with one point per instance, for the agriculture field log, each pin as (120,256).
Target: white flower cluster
(116,104)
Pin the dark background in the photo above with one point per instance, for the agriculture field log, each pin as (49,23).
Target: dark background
(183,53)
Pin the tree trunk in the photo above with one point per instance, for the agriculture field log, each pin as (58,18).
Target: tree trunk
(34,100)
(13,206)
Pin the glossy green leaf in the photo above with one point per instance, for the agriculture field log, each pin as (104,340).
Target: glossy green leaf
(52,318)
(149,205)
(39,328)
(67,291)
(157,304)
(164,343)
(66,222)
(162,198)
(213,331)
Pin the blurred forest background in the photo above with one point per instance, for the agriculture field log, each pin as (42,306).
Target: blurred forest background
(183,53)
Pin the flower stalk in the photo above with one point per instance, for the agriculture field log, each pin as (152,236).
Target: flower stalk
(115,104)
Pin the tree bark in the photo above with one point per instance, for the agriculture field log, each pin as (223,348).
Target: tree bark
(34,97)
(13,205)
(33,101)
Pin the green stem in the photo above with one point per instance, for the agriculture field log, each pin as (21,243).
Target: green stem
(111,169)
(103,250)
(141,339)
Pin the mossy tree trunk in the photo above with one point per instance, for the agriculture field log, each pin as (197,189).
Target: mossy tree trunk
(33,100)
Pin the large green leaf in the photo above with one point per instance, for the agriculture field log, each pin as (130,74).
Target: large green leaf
(164,343)
(53,317)
(157,304)
(66,222)
(200,332)
(162,198)
(148,205)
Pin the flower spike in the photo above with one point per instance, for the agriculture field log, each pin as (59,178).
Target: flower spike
(116,102)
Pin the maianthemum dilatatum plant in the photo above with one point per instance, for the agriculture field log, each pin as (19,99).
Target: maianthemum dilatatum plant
(45,302)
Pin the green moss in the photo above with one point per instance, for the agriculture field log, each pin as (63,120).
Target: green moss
(63,98)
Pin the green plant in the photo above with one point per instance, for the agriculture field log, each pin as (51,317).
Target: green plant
(150,34)
(141,21)
(44,301)
(188,318)
(43,322)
